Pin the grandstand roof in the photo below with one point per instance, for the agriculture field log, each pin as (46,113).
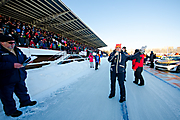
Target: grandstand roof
(52,15)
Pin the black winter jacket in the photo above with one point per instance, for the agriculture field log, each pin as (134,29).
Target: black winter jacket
(9,74)
(118,62)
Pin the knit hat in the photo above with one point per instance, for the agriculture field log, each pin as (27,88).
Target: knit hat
(118,45)
(137,50)
(5,38)
(124,48)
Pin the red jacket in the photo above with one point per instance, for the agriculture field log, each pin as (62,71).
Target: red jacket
(138,62)
(31,42)
(90,58)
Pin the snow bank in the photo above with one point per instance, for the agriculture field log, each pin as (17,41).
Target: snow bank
(45,80)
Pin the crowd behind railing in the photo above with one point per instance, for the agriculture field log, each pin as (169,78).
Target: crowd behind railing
(26,35)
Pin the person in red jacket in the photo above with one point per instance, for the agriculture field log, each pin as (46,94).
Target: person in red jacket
(137,66)
(91,60)
(32,44)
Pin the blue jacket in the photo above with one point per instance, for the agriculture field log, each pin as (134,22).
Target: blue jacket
(9,74)
(118,63)
(96,58)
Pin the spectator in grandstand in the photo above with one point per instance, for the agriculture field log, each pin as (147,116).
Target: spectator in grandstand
(96,61)
(5,24)
(8,26)
(32,44)
(14,24)
(91,60)
(18,30)
(1,32)
(59,45)
(35,40)
(40,44)
(54,45)
(37,45)
(74,48)
(21,40)
(45,44)
(27,42)
(14,35)
(137,66)
(77,50)
(1,21)
(13,75)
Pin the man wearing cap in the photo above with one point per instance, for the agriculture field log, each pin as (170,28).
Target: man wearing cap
(12,77)
(118,60)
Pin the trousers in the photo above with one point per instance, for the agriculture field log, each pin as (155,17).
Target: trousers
(6,96)
(96,65)
(120,77)
(138,75)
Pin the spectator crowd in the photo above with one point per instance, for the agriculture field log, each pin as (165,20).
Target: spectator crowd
(26,35)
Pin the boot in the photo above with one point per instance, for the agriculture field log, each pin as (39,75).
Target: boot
(141,82)
(111,96)
(17,113)
(29,104)
(136,81)
(122,99)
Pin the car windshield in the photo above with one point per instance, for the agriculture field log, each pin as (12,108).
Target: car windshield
(174,58)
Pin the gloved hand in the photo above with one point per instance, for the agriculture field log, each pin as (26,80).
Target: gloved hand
(116,53)
(142,50)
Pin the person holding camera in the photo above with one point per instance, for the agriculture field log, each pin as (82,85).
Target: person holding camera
(13,75)
(118,60)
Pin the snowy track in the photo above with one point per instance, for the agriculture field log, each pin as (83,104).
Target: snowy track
(84,96)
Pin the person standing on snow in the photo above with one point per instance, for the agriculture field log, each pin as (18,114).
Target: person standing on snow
(12,77)
(91,60)
(137,66)
(99,59)
(125,52)
(152,57)
(96,61)
(118,60)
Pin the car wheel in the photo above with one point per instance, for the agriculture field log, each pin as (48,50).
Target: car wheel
(178,69)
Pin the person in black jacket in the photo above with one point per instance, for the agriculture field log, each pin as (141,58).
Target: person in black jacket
(152,57)
(125,52)
(118,60)
(12,77)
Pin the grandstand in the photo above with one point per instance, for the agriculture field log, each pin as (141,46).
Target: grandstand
(51,15)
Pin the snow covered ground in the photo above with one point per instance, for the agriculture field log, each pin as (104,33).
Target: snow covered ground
(75,92)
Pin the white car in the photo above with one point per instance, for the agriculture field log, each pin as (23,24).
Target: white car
(169,63)
(148,62)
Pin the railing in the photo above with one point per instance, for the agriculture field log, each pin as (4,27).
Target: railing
(71,60)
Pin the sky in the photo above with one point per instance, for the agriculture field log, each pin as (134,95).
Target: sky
(133,23)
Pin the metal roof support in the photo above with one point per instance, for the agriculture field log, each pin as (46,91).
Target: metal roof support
(69,21)
(20,11)
(54,15)
(72,32)
(27,8)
